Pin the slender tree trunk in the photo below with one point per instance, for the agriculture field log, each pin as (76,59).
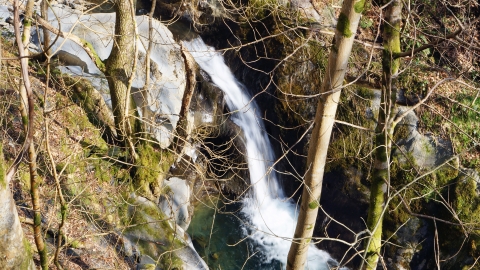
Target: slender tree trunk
(146,88)
(46,33)
(25,89)
(324,120)
(27,25)
(384,132)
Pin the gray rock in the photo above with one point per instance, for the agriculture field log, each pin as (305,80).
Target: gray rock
(14,248)
(147,263)
(411,237)
(175,201)
(159,240)
(163,97)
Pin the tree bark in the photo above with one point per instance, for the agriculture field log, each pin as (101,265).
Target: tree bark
(384,132)
(119,68)
(181,130)
(324,120)
(46,33)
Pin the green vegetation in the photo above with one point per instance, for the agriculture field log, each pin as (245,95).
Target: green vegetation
(343,25)
(359,6)
(100,64)
(28,250)
(314,204)
(151,230)
(465,114)
(467,201)
(366,22)
(151,167)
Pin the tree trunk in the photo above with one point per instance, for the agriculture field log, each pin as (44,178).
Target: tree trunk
(384,133)
(28,120)
(324,120)
(181,130)
(46,33)
(27,25)
(15,251)
(119,68)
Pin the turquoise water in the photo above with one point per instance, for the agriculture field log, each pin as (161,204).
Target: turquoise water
(217,234)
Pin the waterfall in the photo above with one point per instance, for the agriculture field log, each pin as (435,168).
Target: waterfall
(271,217)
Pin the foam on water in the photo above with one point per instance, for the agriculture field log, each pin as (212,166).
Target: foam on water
(271,217)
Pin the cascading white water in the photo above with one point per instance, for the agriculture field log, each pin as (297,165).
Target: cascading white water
(271,217)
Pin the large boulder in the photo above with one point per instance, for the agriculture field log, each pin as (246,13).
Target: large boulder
(159,103)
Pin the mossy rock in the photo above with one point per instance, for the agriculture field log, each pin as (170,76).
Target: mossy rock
(467,201)
(152,232)
(151,167)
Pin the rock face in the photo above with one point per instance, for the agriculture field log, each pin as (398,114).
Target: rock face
(411,240)
(157,240)
(15,250)
(159,103)
(426,150)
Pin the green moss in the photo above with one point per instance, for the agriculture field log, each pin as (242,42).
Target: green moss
(66,168)
(365,92)
(98,62)
(171,261)
(446,174)
(27,258)
(146,218)
(391,47)
(152,164)
(260,9)
(25,120)
(313,205)
(359,6)
(91,101)
(467,202)
(167,190)
(26,23)
(366,23)
(75,244)
(102,171)
(149,267)
(343,25)
(375,216)
(465,115)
